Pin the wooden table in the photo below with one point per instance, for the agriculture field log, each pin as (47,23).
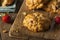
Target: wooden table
(6,26)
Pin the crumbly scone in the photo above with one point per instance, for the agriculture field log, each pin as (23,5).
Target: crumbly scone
(35,4)
(47,5)
(58,11)
(37,22)
(58,7)
(7,2)
(51,7)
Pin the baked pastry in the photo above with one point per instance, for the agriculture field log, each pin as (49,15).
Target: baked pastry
(47,5)
(58,7)
(7,2)
(37,22)
(35,4)
(51,7)
(58,11)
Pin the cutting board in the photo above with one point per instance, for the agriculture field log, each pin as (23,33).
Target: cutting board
(18,31)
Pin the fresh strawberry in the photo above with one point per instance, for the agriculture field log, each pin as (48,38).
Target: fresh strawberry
(57,19)
(6,18)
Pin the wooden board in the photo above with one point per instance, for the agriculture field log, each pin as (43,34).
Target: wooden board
(18,31)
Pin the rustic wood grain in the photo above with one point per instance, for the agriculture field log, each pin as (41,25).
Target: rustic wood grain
(6,26)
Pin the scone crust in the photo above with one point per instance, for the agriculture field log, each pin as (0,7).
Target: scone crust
(34,4)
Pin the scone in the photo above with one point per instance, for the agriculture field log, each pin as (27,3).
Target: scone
(58,7)
(35,4)
(51,7)
(7,2)
(37,22)
(58,11)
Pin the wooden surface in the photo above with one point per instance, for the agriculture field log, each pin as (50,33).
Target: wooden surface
(6,26)
(28,35)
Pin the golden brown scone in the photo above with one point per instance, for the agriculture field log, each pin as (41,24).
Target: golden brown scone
(7,2)
(51,7)
(58,11)
(37,22)
(58,7)
(35,4)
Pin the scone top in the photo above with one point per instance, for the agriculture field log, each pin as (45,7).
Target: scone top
(37,22)
(37,4)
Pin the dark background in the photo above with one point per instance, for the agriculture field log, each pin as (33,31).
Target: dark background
(19,3)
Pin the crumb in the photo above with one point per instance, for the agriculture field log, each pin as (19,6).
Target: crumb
(5,31)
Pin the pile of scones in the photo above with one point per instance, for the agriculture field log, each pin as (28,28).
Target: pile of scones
(40,21)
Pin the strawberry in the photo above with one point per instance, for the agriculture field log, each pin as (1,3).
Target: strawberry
(6,18)
(57,19)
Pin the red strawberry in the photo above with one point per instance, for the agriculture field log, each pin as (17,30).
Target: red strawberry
(6,18)
(57,19)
